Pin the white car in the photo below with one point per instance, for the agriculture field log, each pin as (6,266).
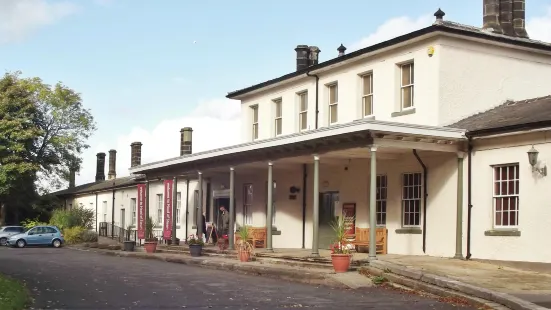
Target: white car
(7,231)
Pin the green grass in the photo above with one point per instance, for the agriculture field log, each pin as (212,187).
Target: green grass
(13,294)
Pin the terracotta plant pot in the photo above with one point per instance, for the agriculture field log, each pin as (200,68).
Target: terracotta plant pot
(341,262)
(150,246)
(195,250)
(244,256)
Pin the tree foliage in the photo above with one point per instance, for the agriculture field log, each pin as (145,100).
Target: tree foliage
(43,132)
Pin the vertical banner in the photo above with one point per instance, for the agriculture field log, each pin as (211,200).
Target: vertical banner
(140,201)
(167,220)
(349,212)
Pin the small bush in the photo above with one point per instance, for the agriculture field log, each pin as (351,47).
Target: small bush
(74,234)
(62,219)
(89,236)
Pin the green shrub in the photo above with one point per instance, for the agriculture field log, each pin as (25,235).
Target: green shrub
(29,223)
(76,217)
(73,235)
(89,236)
(62,219)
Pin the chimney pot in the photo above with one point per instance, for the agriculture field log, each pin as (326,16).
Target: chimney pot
(73,168)
(112,173)
(341,50)
(439,15)
(313,55)
(186,141)
(302,56)
(100,167)
(135,154)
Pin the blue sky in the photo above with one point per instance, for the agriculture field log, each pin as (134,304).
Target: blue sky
(139,71)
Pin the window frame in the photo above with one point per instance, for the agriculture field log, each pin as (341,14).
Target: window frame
(411,85)
(419,199)
(160,206)
(178,207)
(334,85)
(104,208)
(278,103)
(381,201)
(133,208)
(516,187)
(302,98)
(255,122)
(369,95)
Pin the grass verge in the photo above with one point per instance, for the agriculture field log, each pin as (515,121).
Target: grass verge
(13,294)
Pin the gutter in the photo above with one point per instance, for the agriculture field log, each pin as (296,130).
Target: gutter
(304,176)
(425,195)
(317,95)
(469,195)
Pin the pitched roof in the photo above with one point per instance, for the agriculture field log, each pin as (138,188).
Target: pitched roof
(513,115)
(443,26)
(100,186)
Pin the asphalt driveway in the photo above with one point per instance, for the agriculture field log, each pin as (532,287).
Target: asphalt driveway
(71,279)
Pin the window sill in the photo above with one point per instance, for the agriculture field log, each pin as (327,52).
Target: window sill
(502,233)
(409,231)
(403,112)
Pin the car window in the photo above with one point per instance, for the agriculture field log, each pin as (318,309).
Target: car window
(13,229)
(49,230)
(20,229)
(33,231)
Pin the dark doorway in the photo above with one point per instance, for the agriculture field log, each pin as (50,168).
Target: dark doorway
(218,202)
(327,215)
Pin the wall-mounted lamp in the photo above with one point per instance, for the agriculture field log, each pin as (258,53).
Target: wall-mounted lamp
(533,159)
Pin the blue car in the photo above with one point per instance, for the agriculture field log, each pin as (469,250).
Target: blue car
(38,235)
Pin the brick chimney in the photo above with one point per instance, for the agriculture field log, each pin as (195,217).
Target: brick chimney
(185,141)
(313,57)
(302,56)
(72,175)
(135,154)
(506,17)
(100,167)
(112,173)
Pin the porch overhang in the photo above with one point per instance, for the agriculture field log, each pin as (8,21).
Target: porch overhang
(360,133)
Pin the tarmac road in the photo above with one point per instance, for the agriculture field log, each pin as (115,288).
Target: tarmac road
(70,279)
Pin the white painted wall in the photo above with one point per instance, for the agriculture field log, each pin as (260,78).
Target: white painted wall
(534,199)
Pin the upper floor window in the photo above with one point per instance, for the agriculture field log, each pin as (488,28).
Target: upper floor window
(367,94)
(506,196)
(278,121)
(255,121)
(303,111)
(407,72)
(333,103)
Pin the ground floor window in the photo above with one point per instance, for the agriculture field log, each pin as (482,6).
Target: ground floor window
(159,209)
(381,199)
(178,206)
(411,199)
(506,196)
(133,208)
(247,204)
(104,208)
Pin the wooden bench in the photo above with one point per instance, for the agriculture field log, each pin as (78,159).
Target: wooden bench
(257,237)
(361,238)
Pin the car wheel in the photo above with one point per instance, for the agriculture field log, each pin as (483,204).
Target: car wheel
(21,243)
(56,243)
(3,241)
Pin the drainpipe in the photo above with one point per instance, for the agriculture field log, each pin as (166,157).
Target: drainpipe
(97,212)
(317,106)
(304,176)
(113,215)
(187,206)
(425,194)
(469,197)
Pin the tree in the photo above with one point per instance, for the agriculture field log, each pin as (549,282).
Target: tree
(43,131)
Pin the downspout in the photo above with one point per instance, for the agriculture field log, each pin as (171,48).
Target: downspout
(187,206)
(97,212)
(317,105)
(469,196)
(304,176)
(425,194)
(113,215)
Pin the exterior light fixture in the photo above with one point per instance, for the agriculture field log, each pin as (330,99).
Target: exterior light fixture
(533,160)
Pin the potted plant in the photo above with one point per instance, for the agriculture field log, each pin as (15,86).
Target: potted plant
(340,250)
(195,245)
(150,243)
(244,247)
(128,244)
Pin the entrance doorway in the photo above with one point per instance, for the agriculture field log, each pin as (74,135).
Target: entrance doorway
(326,216)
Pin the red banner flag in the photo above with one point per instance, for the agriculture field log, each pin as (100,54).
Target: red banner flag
(167,221)
(140,201)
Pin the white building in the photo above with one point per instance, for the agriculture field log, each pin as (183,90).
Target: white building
(426,135)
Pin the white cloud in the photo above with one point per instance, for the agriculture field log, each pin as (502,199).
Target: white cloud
(215,123)
(19,18)
(392,28)
(539,28)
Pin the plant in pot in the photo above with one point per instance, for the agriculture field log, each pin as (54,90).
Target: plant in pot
(150,241)
(244,247)
(340,250)
(129,244)
(195,245)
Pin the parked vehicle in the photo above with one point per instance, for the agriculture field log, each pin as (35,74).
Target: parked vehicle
(7,231)
(38,235)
